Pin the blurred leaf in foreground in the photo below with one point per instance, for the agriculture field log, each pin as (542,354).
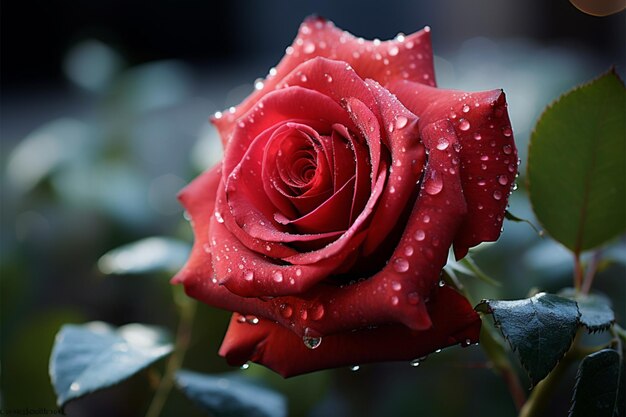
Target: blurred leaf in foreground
(229,396)
(95,355)
(597,385)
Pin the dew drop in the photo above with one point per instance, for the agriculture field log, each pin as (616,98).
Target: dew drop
(218,115)
(303,78)
(434,185)
(507,149)
(218,217)
(464,125)
(443,144)
(298,272)
(258,84)
(394,300)
(477,136)
(317,312)
(75,386)
(309,48)
(420,235)
(506,131)
(497,195)
(401,122)
(401,265)
(285,310)
(248,275)
(503,180)
(415,363)
(413,298)
(393,51)
(426,218)
(438,351)
(328,77)
(244,366)
(310,340)
(278,276)
(408,250)
(252,319)
(442,283)
(355,368)
(396,286)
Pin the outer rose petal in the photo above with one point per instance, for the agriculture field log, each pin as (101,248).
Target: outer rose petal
(408,57)
(454,322)
(488,153)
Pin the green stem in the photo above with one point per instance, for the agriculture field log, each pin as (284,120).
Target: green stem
(183,336)
(578,272)
(500,361)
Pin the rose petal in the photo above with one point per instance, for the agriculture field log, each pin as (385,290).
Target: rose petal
(408,57)
(407,160)
(269,344)
(488,154)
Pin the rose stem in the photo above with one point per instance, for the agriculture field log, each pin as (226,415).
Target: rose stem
(592,268)
(498,357)
(187,311)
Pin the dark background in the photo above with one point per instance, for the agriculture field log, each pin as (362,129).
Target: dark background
(112,98)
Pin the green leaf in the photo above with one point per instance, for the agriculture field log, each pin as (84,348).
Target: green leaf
(146,255)
(576,165)
(596,391)
(230,396)
(596,313)
(90,357)
(539,329)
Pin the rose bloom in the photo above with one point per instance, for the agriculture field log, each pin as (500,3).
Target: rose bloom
(347,176)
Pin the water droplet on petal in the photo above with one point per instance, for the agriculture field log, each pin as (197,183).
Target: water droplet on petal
(415,363)
(393,51)
(311,339)
(396,286)
(443,144)
(218,115)
(408,251)
(355,368)
(303,78)
(309,48)
(464,125)
(497,195)
(317,312)
(394,300)
(426,218)
(401,265)
(413,298)
(285,310)
(248,275)
(503,180)
(328,77)
(477,136)
(278,276)
(442,283)
(438,351)
(218,217)
(298,272)
(434,185)
(466,108)
(401,122)
(506,131)
(258,84)
(507,149)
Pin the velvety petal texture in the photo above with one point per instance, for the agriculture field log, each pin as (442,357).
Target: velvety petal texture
(347,176)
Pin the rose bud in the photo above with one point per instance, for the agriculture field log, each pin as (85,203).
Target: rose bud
(347,176)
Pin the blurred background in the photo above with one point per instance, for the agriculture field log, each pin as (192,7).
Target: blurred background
(104,118)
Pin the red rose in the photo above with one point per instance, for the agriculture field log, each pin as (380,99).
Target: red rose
(346,178)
